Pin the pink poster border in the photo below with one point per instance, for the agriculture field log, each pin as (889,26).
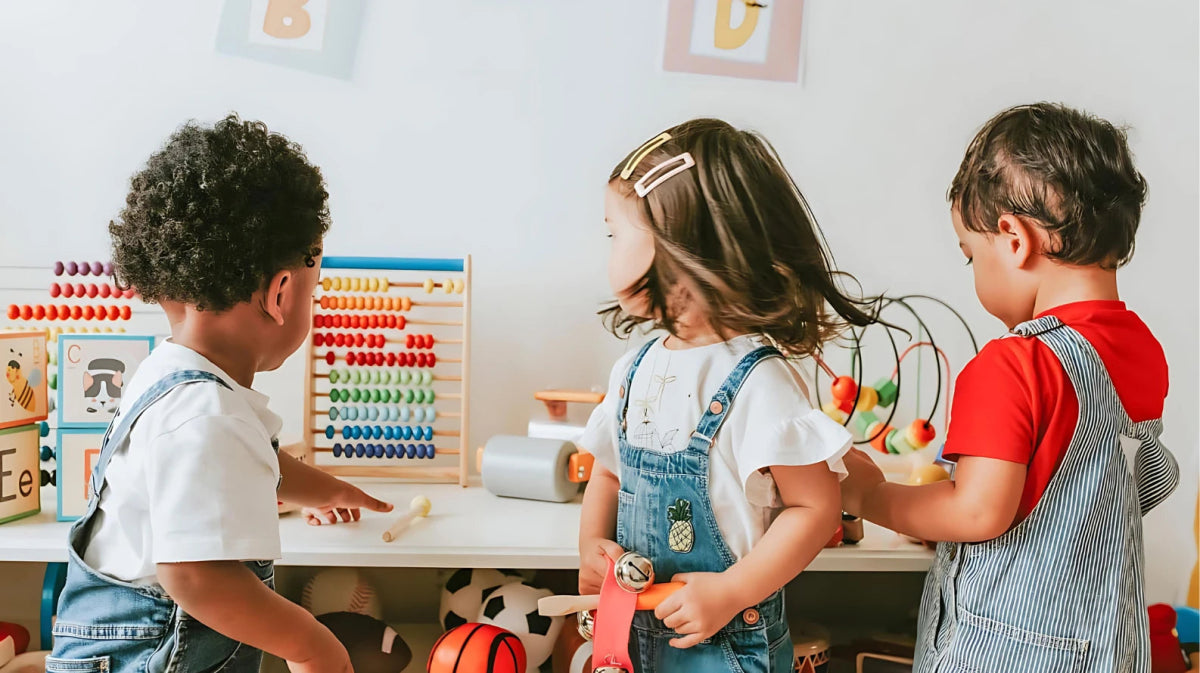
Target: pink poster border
(783,51)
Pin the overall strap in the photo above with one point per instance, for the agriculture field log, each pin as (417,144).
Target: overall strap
(122,424)
(718,409)
(623,409)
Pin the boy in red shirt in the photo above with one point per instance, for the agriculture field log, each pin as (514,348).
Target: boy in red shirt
(1056,426)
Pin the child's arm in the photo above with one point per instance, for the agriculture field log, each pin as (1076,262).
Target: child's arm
(979,504)
(329,496)
(228,598)
(710,600)
(597,528)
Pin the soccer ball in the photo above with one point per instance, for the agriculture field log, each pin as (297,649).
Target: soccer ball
(465,592)
(513,607)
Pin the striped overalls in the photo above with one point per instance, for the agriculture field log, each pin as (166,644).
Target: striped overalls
(1062,591)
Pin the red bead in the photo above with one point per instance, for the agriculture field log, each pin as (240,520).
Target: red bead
(330,358)
(359,340)
(130,293)
(412,359)
(64,312)
(844,388)
(432,360)
(923,431)
(92,290)
(105,291)
(400,322)
(126,312)
(355,321)
(116,291)
(391,322)
(421,359)
(373,321)
(14,311)
(76,312)
(55,289)
(318,339)
(429,341)
(337,340)
(410,340)
(51,312)
(114,312)
(68,290)
(89,312)
(39,312)
(390,359)
(351,358)
(80,290)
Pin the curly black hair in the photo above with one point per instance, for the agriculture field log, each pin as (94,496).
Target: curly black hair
(216,213)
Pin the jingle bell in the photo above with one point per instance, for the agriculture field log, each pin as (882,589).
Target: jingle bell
(609,669)
(587,623)
(634,573)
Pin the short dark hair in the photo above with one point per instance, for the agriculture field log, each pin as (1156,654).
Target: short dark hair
(216,213)
(1070,171)
(738,228)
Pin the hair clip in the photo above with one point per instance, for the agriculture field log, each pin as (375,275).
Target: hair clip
(678,164)
(646,148)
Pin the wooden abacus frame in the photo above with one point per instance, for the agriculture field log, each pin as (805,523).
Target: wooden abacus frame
(399,307)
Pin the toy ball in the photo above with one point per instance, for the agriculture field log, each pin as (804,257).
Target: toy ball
(928,474)
(465,591)
(476,648)
(372,645)
(340,590)
(572,653)
(17,637)
(513,607)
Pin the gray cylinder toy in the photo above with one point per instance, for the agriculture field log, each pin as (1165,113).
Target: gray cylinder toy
(529,468)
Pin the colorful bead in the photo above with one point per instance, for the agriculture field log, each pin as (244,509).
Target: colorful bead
(863,421)
(920,433)
(72,268)
(898,444)
(878,443)
(333,413)
(58,268)
(868,399)
(886,389)
(832,411)
(843,388)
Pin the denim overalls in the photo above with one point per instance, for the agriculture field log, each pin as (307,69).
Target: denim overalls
(664,514)
(1062,592)
(110,626)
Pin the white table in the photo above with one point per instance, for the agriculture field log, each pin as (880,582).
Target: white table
(467,528)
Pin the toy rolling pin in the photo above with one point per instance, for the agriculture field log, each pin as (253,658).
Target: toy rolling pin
(554,606)
(417,509)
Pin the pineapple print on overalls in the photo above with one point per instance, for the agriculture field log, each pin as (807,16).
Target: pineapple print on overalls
(681,536)
(664,513)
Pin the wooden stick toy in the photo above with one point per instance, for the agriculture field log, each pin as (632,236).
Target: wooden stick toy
(417,509)
(554,606)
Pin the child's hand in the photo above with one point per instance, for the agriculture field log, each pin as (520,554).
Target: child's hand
(345,504)
(329,657)
(697,611)
(864,475)
(592,566)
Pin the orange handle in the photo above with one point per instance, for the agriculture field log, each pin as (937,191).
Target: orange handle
(656,594)
(585,396)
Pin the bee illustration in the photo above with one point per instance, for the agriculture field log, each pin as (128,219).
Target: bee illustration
(22,387)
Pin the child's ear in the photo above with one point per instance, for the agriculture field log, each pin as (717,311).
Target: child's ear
(1018,239)
(275,296)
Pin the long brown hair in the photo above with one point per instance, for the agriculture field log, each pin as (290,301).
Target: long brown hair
(737,229)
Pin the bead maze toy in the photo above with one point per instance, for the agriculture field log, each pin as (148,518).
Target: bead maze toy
(387,374)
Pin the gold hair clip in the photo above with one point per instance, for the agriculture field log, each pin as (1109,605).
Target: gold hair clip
(676,165)
(646,148)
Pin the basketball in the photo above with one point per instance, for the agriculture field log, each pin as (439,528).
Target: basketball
(477,648)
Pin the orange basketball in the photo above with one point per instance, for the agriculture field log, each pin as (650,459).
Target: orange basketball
(477,648)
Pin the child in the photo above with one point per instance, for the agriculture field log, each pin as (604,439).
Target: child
(170,568)
(710,460)
(1056,427)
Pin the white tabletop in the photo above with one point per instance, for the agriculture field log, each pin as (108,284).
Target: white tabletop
(467,528)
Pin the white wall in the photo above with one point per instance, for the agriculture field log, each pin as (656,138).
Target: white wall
(485,127)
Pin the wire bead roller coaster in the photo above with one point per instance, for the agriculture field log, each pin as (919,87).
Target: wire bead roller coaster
(388,370)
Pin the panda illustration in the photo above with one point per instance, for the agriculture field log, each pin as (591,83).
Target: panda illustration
(102,382)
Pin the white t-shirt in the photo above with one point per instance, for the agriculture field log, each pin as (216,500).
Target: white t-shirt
(197,480)
(770,422)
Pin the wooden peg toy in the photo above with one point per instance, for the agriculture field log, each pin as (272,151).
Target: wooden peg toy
(417,509)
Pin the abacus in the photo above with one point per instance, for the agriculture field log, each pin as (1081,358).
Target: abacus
(388,369)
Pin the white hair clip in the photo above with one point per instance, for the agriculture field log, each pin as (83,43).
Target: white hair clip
(668,169)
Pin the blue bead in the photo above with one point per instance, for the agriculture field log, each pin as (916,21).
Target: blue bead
(412,451)
(408,433)
(378,450)
(328,432)
(393,413)
(333,413)
(373,413)
(360,450)
(428,432)
(378,432)
(390,451)
(358,432)
(352,413)
(420,451)
(47,454)
(337,450)
(432,451)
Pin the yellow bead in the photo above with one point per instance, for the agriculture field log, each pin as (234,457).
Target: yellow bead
(384,285)
(373,284)
(326,283)
(428,286)
(868,399)
(458,285)
(448,286)
(831,410)
(355,284)
(336,283)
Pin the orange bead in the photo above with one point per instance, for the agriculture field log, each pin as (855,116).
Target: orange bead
(39,312)
(406,304)
(920,433)
(126,313)
(880,441)
(844,388)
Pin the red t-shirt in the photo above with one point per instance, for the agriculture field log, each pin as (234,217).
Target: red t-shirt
(1014,401)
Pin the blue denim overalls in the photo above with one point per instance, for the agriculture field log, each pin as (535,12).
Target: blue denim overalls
(110,626)
(1062,592)
(664,514)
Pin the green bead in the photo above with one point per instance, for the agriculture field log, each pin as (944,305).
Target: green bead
(421,396)
(409,396)
(403,377)
(896,443)
(375,395)
(887,392)
(53,380)
(333,376)
(385,377)
(427,377)
(429,397)
(863,420)
(356,395)
(375,376)
(338,395)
